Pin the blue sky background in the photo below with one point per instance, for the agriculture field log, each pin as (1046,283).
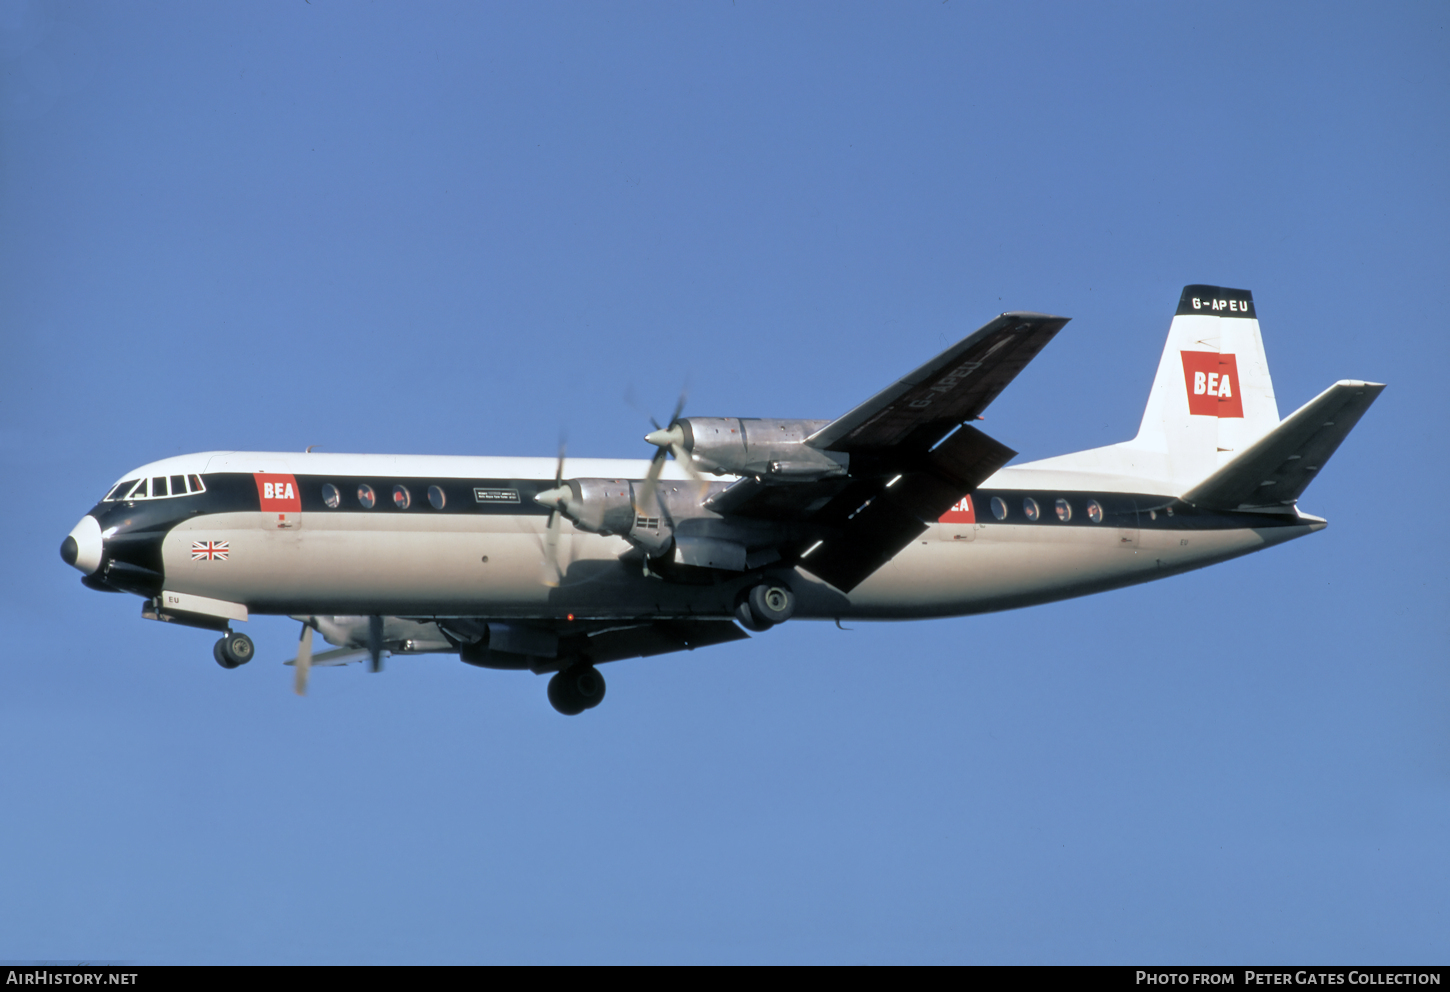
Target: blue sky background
(459,228)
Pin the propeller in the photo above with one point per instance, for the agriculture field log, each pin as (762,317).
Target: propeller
(670,441)
(554,498)
(304,659)
(375,644)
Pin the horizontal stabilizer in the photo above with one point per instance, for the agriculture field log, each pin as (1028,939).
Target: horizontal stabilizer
(1276,469)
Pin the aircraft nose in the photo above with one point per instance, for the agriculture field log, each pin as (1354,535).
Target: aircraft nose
(82,547)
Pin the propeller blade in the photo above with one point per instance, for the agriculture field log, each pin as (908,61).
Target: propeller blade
(651,480)
(375,644)
(551,550)
(632,401)
(555,498)
(304,660)
(679,406)
(683,457)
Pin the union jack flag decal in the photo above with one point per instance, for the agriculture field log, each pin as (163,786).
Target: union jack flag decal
(209,550)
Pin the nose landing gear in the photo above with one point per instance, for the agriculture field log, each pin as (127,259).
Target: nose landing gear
(233,650)
(763,606)
(576,689)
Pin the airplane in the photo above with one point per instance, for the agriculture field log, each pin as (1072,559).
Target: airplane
(899,509)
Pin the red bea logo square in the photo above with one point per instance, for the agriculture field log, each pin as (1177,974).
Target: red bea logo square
(1213,384)
(960,513)
(278,493)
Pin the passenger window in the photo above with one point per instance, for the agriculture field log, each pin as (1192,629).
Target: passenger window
(178,485)
(436,497)
(331,498)
(1095,511)
(999,508)
(401,497)
(1029,507)
(1064,510)
(196,485)
(120,490)
(158,486)
(365,496)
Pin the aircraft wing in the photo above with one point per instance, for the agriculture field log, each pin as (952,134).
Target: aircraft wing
(955,386)
(658,637)
(338,656)
(912,456)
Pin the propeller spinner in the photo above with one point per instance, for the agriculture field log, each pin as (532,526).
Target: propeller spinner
(670,441)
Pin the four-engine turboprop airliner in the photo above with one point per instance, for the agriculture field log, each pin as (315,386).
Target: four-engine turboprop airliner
(899,509)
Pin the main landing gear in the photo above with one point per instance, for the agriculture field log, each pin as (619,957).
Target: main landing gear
(577,688)
(762,607)
(233,650)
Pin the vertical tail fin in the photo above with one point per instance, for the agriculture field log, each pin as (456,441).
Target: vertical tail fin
(1212,397)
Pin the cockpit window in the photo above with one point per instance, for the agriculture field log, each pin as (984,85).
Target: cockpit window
(160,486)
(120,490)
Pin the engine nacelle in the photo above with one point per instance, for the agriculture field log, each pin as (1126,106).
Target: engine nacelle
(759,447)
(613,506)
(600,506)
(670,523)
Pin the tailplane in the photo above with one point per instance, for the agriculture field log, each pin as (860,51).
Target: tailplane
(1274,471)
(1211,431)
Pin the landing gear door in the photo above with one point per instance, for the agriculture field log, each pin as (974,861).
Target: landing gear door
(281,501)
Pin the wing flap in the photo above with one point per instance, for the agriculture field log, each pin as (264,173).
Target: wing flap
(1276,469)
(866,535)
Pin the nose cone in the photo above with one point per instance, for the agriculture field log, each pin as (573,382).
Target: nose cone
(83,547)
